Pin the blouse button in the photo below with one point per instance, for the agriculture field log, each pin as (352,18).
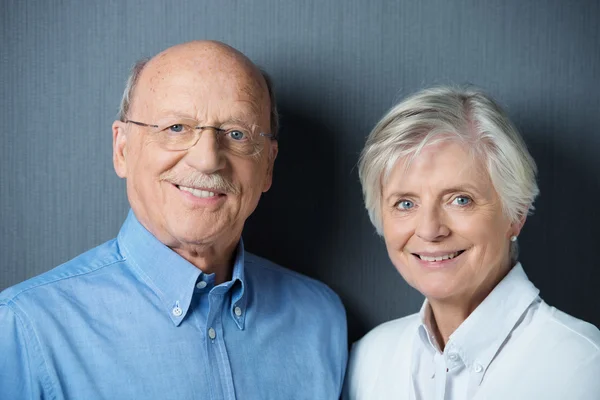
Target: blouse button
(478,368)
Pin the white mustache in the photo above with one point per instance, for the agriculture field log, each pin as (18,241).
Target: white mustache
(215,182)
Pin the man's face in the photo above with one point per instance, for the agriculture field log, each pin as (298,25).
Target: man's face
(176,195)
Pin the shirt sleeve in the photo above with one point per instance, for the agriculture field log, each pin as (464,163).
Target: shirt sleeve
(17,380)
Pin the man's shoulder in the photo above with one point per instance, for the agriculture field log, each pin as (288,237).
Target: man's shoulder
(84,264)
(267,273)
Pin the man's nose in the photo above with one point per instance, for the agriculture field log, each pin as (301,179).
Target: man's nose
(205,156)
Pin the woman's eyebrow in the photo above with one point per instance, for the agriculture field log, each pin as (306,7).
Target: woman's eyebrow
(400,194)
(453,189)
(463,188)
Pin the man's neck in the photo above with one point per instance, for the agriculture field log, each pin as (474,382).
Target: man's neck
(217,258)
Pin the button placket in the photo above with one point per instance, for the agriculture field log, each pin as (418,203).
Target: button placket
(201,284)
(212,334)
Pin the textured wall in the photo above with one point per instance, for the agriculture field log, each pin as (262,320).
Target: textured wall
(338,66)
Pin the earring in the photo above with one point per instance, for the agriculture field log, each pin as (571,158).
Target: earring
(513,238)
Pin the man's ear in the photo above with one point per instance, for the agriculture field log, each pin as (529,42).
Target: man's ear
(120,148)
(273,150)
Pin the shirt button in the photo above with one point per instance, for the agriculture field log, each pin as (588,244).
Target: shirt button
(453,357)
(201,285)
(478,368)
(177,311)
(238,311)
(212,334)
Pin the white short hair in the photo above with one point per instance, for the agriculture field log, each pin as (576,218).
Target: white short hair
(465,115)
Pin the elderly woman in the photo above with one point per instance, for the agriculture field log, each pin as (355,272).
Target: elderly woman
(448,183)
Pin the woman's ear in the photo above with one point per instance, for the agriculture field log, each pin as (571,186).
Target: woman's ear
(515,228)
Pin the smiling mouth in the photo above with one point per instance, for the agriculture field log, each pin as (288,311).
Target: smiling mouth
(439,258)
(200,193)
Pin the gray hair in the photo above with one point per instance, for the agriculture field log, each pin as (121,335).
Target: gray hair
(134,77)
(132,81)
(466,115)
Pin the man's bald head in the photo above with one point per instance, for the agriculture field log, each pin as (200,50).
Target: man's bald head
(205,55)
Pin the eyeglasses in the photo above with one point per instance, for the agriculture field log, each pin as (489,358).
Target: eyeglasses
(182,134)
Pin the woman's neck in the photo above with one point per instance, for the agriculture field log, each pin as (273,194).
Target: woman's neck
(448,314)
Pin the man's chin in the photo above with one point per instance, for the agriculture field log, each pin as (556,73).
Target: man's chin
(191,233)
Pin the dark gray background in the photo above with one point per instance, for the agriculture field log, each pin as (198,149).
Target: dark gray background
(338,66)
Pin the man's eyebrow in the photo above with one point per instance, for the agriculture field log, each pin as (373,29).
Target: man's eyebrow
(249,122)
(170,114)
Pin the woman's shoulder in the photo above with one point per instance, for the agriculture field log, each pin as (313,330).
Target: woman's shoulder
(555,346)
(386,342)
(383,351)
(390,333)
(569,330)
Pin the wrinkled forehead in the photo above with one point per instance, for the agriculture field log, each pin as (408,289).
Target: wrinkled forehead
(199,87)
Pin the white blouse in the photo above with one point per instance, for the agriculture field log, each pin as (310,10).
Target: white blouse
(513,346)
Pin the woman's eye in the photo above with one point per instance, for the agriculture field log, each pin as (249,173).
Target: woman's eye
(405,204)
(177,128)
(461,201)
(236,135)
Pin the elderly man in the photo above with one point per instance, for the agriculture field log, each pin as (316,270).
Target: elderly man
(174,307)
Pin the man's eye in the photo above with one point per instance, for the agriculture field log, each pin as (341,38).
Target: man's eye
(461,201)
(405,204)
(177,128)
(236,135)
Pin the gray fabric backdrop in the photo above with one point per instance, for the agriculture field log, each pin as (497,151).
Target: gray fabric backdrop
(338,66)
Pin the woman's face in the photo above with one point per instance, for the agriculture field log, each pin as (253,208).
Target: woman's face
(443,225)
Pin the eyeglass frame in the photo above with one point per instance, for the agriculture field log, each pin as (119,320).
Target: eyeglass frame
(201,128)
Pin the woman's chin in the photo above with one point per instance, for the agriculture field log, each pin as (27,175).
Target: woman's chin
(437,290)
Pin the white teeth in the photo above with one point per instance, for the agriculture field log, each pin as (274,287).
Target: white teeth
(440,258)
(197,192)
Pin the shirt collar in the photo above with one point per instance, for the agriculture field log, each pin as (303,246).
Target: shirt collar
(237,287)
(480,336)
(171,277)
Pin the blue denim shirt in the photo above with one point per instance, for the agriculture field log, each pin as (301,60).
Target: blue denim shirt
(131,319)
